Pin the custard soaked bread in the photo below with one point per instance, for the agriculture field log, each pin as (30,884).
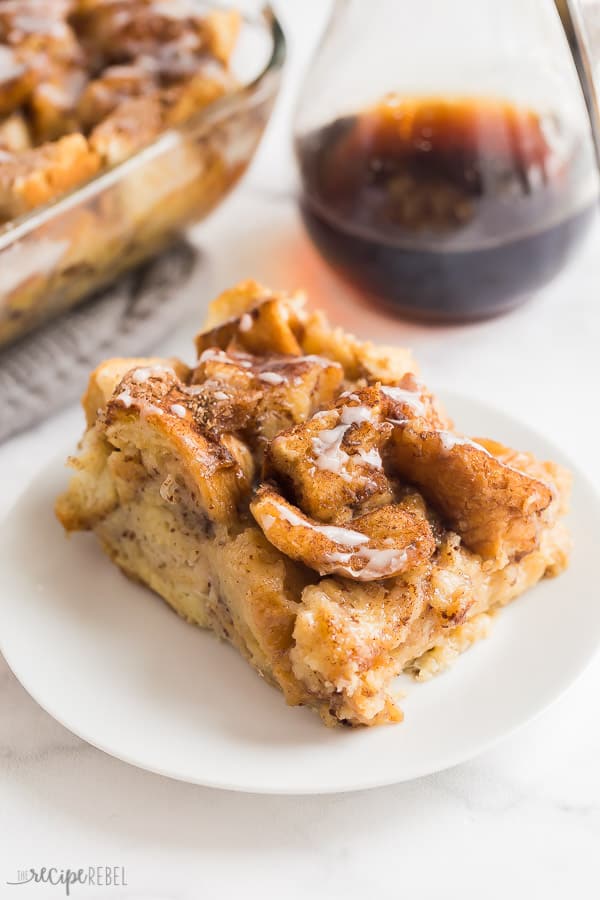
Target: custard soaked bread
(303,495)
(84,86)
(86,83)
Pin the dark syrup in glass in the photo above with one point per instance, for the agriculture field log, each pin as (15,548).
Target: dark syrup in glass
(446,209)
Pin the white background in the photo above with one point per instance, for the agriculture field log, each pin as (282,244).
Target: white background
(524,817)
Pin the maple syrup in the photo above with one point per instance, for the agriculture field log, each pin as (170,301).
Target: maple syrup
(446,209)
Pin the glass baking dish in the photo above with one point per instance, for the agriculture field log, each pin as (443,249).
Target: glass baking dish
(56,255)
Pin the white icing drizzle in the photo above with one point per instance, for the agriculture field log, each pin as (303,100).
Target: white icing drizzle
(220,395)
(449,440)
(211,354)
(144,406)
(379,562)
(178,410)
(271,378)
(401,395)
(347,537)
(329,456)
(145,372)
(125,398)
(356,415)
(318,360)
(139,376)
(245,322)
(371,457)
(327,450)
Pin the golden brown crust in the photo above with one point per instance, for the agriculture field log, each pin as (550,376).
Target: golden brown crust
(117,71)
(106,377)
(495,508)
(259,396)
(380,544)
(331,464)
(265,325)
(16,81)
(130,127)
(121,30)
(37,176)
(318,511)
(115,85)
(53,104)
(218,470)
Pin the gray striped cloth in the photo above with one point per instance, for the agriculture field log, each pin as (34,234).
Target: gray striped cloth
(49,368)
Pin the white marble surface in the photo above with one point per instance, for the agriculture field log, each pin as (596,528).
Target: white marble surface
(522,818)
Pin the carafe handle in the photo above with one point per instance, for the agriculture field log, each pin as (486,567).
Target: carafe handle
(581,21)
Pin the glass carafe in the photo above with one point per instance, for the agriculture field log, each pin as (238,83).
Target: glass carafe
(445,152)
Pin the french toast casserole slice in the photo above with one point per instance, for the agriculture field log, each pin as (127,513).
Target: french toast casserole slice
(303,495)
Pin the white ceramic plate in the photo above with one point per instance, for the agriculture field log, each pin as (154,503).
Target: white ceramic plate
(116,666)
